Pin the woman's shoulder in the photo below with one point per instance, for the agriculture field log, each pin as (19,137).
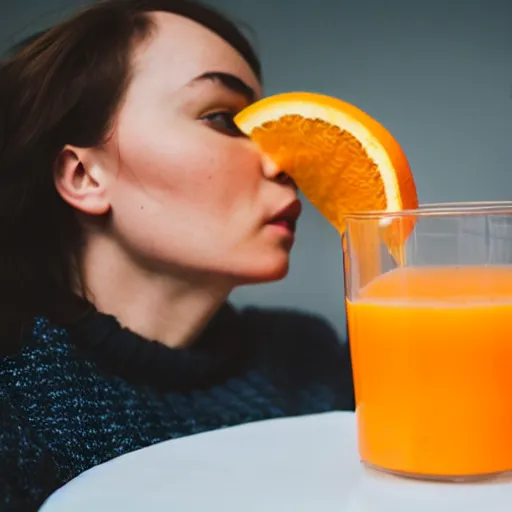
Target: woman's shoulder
(40,346)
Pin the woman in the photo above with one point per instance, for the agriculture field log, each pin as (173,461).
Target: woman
(131,206)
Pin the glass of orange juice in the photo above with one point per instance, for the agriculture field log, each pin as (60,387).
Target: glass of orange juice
(429,311)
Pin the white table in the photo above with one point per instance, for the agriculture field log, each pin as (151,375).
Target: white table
(287,465)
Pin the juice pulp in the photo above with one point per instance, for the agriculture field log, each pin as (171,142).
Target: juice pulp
(432,360)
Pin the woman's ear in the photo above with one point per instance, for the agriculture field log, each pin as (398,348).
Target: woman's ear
(82,181)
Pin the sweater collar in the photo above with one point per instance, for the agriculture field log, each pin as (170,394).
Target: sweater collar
(216,354)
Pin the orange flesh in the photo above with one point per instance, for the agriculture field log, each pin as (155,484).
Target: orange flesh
(329,164)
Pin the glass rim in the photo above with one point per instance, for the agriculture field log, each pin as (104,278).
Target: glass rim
(448,209)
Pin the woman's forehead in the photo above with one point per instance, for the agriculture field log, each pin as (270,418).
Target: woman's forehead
(179,50)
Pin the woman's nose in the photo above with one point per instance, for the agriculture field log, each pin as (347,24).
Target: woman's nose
(273,172)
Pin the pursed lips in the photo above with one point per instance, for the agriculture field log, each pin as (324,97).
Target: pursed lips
(288,216)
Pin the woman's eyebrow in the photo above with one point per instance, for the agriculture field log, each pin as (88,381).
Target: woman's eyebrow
(230,82)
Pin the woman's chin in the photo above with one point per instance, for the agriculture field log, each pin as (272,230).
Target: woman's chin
(267,270)
(275,275)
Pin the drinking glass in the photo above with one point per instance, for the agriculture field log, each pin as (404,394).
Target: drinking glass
(429,313)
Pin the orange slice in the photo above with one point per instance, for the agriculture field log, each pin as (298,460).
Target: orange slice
(342,159)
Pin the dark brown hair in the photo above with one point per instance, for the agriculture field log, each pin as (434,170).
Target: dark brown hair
(63,87)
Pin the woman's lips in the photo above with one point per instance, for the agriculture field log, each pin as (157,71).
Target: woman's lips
(286,226)
(285,221)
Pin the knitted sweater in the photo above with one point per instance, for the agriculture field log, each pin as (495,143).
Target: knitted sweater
(71,399)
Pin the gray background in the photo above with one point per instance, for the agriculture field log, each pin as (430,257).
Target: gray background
(437,74)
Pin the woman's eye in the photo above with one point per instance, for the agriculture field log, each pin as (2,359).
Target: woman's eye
(224,122)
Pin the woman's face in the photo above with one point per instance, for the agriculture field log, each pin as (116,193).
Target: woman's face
(187,191)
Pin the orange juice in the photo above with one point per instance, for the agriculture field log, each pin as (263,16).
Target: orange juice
(432,359)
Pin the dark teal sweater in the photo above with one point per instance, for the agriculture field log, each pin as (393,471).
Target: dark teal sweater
(71,399)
